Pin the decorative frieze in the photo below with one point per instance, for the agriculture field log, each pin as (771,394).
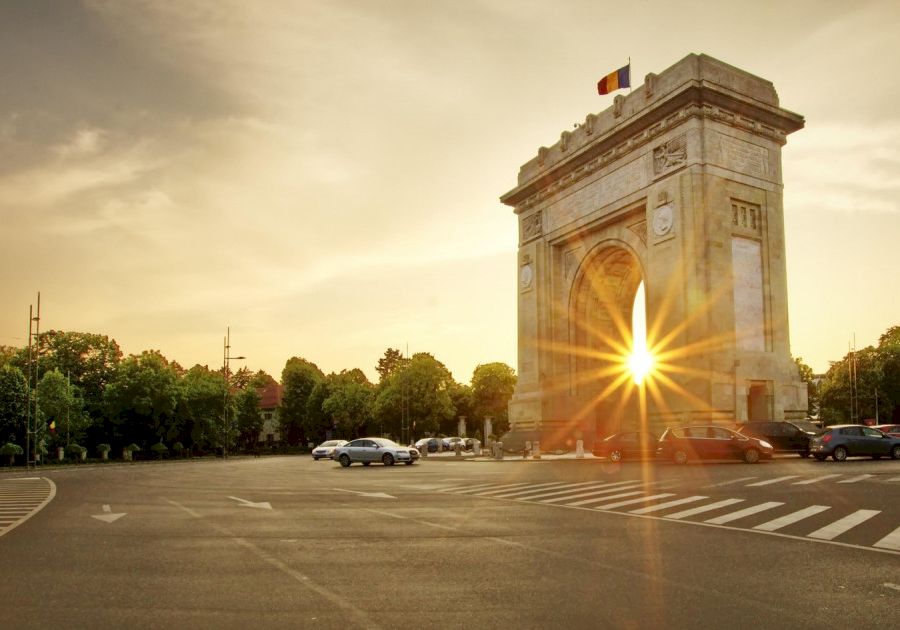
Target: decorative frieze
(532,227)
(669,155)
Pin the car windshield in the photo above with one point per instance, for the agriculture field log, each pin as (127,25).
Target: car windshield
(385,442)
(821,432)
(330,443)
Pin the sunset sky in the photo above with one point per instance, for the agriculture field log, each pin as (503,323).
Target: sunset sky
(324,176)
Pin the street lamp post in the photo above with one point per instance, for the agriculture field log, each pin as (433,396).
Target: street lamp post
(226,360)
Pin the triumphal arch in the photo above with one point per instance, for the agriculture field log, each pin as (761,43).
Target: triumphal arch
(677,186)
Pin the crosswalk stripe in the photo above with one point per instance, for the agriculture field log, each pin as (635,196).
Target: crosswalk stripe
(733,516)
(728,483)
(855,479)
(891,541)
(455,488)
(505,492)
(667,504)
(489,486)
(600,499)
(618,504)
(769,482)
(806,482)
(894,479)
(534,492)
(704,508)
(589,490)
(835,529)
(792,518)
(592,493)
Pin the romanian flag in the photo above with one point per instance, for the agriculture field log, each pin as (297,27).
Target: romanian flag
(53,426)
(616,80)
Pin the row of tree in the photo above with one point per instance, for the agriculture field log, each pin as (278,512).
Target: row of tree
(88,393)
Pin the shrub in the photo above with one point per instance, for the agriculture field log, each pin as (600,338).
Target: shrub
(160,449)
(11,450)
(103,448)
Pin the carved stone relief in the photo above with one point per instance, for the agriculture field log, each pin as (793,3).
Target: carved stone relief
(746,217)
(532,226)
(641,230)
(670,154)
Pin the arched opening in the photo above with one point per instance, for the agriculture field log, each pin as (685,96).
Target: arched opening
(603,324)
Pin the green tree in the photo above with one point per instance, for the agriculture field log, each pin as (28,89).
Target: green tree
(298,379)
(249,421)
(463,401)
(61,404)
(319,422)
(349,402)
(13,404)
(142,399)
(388,364)
(200,407)
(493,385)
(422,387)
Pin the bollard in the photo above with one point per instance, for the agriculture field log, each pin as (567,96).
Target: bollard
(535,450)
(424,450)
(526,450)
(579,449)
(458,448)
(498,450)
(476,448)
(60,453)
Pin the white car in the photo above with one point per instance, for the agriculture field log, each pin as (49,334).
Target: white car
(368,450)
(325,449)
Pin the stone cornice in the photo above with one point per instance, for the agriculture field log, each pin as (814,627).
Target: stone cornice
(697,99)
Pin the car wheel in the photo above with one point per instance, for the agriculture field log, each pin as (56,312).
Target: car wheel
(315,458)
(804,454)
(821,458)
(345,460)
(839,454)
(388,459)
(615,455)
(895,452)
(679,457)
(751,456)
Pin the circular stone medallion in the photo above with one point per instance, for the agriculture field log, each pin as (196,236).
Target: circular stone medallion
(662,220)
(526,276)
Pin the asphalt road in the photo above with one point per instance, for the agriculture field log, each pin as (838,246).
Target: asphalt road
(288,542)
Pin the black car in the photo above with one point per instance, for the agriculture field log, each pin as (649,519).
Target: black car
(710,442)
(627,445)
(785,437)
(841,441)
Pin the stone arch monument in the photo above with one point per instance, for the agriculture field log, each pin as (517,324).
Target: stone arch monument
(677,185)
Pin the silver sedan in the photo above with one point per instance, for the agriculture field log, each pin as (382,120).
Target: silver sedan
(368,450)
(325,449)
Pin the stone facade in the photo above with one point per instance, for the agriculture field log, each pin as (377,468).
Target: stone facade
(678,185)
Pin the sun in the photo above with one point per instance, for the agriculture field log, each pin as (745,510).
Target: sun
(640,361)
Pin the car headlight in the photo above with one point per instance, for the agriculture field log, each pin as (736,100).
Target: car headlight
(765,444)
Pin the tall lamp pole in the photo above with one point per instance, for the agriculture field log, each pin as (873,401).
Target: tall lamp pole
(226,361)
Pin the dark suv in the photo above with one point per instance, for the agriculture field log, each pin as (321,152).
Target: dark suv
(786,437)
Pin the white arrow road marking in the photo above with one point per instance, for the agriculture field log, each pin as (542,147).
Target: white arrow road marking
(263,505)
(377,495)
(108,516)
(896,587)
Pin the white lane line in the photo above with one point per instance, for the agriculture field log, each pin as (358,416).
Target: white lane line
(667,504)
(618,504)
(792,518)
(733,516)
(37,508)
(829,532)
(896,587)
(592,493)
(621,495)
(891,541)
(534,491)
(894,479)
(855,479)
(504,492)
(806,482)
(728,483)
(769,482)
(562,495)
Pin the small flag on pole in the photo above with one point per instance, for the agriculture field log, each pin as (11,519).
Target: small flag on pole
(616,80)
(53,426)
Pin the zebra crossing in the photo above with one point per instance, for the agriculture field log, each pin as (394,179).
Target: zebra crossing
(841,525)
(21,498)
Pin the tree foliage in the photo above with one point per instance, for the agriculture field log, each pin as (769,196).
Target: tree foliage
(349,402)
(493,385)
(392,361)
(200,407)
(298,378)
(13,404)
(60,402)
(812,388)
(421,387)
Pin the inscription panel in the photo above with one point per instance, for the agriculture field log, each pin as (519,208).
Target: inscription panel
(623,181)
(744,157)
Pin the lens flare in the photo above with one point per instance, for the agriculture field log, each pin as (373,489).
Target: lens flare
(640,363)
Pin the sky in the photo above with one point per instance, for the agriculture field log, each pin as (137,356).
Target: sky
(323,176)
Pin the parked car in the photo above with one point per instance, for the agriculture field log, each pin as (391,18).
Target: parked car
(891,429)
(368,450)
(325,449)
(626,445)
(786,437)
(841,441)
(430,443)
(451,442)
(711,442)
(515,441)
